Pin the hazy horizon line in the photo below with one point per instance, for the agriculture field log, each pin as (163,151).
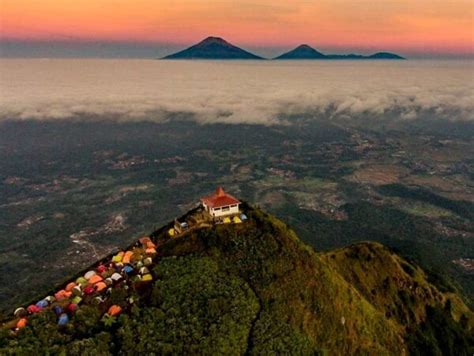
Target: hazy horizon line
(14,48)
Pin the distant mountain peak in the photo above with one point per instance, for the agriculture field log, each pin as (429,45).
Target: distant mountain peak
(385,55)
(304,46)
(303,51)
(211,39)
(213,48)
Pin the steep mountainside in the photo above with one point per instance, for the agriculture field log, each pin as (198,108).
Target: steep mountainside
(255,288)
(213,48)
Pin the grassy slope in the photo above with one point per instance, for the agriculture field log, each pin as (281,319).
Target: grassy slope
(256,288)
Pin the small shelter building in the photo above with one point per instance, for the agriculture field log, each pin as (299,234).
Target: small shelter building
(220,204)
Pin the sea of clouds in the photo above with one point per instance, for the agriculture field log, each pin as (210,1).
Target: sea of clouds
(235,92)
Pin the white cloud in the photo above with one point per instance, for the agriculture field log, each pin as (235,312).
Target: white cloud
(233,92)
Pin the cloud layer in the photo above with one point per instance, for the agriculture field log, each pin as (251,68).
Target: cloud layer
(235,92)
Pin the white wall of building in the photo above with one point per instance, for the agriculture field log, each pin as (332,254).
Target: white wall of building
(224,211)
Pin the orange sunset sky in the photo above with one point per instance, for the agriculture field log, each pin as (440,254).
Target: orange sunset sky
(409,26)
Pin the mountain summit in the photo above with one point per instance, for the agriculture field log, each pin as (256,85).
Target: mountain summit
(302,52)
(245,285)
(213,48)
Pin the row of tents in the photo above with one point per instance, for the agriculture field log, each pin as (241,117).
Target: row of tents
(132,266)
(181,227)
(95,285)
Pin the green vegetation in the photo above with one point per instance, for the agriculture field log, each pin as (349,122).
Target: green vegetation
(462,208)
(256,288)
(63,183)
(409,235)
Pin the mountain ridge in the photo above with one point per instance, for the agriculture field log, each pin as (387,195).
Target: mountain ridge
(308,53)
(214,47)
(255,287)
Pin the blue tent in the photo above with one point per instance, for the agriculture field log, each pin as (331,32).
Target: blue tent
(243,217)
(58,310)
(128,269)
(63,319)
(42,304)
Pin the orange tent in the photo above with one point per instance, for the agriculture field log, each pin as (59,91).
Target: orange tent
(150,251)
(21,323)
(70,286)
(144,240)
(114,310)
(94,279)
(100,286)
(150,244)
(62,294)
(127,257)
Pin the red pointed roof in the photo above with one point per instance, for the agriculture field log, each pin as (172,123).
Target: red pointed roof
(219,199)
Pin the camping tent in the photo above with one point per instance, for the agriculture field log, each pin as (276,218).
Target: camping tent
(128,269)
(95,278)
(118,257)
(100,286)
(32,309)
(76,300)
(77,290)
(116,277)
(144,270)
(127,257)
(72,307)
(150,251)
(82,281)
(42,304)
(70,286)
(114,310)
(63,319)
(57,310)
(150,244)
(89,290)
(50,299)
(147,278)
(62,294)
(19,312)
(89,275)
(21,323)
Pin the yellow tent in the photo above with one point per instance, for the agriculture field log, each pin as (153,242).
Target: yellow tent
(147,278)
(171,232)
(237,220)
(227,220)
(76,300)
